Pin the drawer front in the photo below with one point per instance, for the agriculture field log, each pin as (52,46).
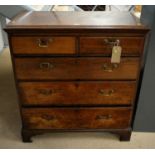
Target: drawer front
(77,93)
(43,45)
(75,68)
(76,118)
(103,45)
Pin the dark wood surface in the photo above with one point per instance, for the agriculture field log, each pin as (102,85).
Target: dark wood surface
(77,93)
(43,45)
(63,85)
(131,46)
(75,69)
(76,118)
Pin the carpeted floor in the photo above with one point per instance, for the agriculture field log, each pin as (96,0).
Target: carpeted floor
(10,124)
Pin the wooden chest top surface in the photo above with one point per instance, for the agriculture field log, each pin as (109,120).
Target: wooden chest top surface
(106,20)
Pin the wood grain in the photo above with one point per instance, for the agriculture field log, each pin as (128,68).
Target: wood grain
(55,45)
(131,46)
(75,69)
(76,118)
(65,81)
(77,93)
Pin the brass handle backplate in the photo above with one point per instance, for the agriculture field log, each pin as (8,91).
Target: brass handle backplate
(46,65)
(110,67)
(103,117)
(112,42)
(106,92)
(44,42)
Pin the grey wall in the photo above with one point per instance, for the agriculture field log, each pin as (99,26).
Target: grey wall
(145,115)
(10,11)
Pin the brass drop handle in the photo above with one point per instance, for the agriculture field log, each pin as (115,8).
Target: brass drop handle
(46,65)
(110,67)
(103,117)
(44,42)
(112,42)
(106,92)
(45,91)
(48,117)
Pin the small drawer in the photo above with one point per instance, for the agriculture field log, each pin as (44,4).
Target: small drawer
(77,93)
(43,45)
(76,118)
(75,69)
(131,46)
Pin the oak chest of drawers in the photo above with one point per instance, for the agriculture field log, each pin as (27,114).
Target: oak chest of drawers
(64,75)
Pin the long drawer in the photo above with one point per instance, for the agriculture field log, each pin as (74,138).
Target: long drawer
(131,46)
(76,118)
(77,93)
(43,45)
(75,69)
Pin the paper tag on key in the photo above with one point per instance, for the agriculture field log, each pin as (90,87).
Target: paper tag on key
(116,54)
